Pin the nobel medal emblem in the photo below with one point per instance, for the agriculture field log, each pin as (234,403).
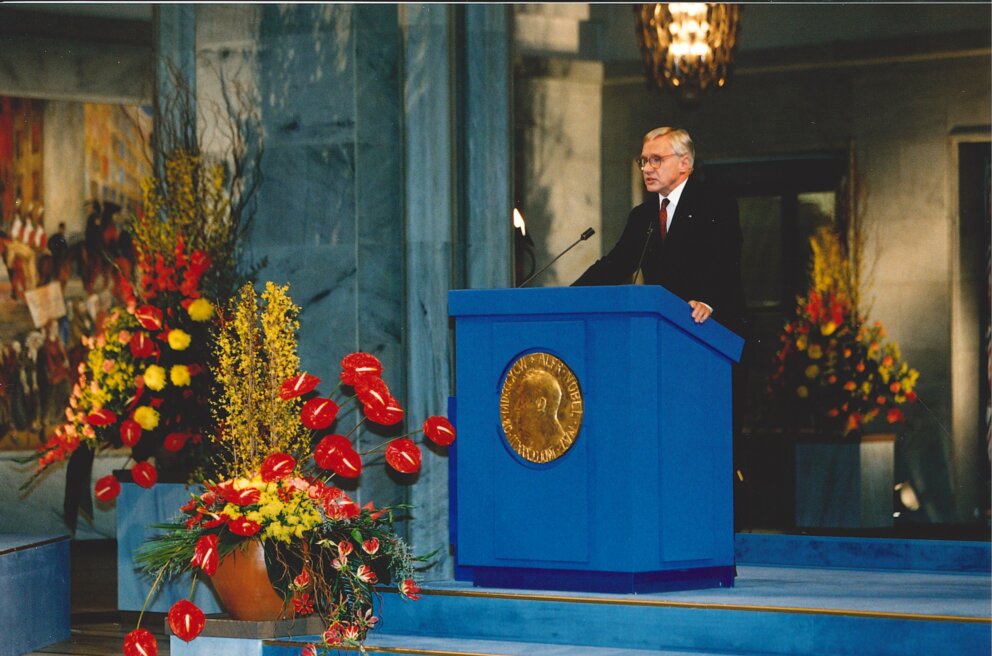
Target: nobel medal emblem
(540,407)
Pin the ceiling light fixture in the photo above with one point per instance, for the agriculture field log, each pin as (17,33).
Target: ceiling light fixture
(687,46)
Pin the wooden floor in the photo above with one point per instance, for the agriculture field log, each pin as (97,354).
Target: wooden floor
(98,628)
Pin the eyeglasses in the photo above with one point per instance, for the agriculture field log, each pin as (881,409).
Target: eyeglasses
(655,161)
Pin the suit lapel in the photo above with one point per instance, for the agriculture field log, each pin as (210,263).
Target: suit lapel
(683,212)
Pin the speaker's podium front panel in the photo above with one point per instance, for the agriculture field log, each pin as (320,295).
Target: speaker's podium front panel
(595,441)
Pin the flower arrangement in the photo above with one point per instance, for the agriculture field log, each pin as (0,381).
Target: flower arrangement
(278,461)
(833,367)
(145,382)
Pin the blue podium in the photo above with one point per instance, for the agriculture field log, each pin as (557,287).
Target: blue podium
(638,497)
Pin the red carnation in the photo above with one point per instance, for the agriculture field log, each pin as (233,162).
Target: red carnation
(244,526)
(107,488)
(140,642)
(439,430)
(101,417)
(319,413)
(297,386)
(356,366)
(403,456)
(149,316)
(186,620)
(144,474)
(130,432)
(277,466)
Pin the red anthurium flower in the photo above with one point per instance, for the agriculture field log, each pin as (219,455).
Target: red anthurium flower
(130,432)
(410,589)
(101,417)
(387,415)
(439,430)
(244,526)
(346,463)
(140,642)
(186,620)
(142,346)
(277,466)
(372,392)
(345,548)
(216,521)
(371,546)
(357,366)
(403,455)
(324,452)
(174,442)
(244,497)
(302,580)
(107,488)
(149,316)
(206,555)
(319,413)
(144,474)
(297,386)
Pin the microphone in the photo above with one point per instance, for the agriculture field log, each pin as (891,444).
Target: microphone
(585,235)
(644,250)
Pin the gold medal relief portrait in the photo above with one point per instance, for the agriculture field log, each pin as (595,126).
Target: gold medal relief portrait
(540,407)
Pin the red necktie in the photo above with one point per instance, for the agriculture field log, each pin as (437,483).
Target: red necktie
(663,217)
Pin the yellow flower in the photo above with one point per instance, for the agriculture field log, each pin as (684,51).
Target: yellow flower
(200,310)
(828,328)
(802,391)
(812,371)
(815,351)
(154,377)
(179,375)
(801,342)
(179,339)
(147,417)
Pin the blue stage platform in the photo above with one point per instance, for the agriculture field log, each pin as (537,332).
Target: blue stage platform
(943,606)
(34,592)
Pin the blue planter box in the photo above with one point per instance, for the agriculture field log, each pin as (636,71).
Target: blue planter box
(137,510)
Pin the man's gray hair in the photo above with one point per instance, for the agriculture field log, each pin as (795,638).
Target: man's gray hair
(680,140)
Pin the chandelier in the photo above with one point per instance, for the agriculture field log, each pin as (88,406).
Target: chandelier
(687,46)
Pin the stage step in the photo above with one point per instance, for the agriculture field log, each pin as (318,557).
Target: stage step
(34,592)
(400,645)
(771,610)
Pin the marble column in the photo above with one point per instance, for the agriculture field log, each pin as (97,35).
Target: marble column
(329,216)
(430,211)
(488,156)
(459,211)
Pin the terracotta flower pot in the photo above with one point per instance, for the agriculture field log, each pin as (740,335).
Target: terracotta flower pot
(243,587)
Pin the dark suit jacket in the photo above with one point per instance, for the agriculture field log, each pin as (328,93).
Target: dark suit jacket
(699,260)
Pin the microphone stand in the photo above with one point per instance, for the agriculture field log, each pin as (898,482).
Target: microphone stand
(644,250)
(585,235)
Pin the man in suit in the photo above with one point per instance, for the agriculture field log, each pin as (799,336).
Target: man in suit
(685,237)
